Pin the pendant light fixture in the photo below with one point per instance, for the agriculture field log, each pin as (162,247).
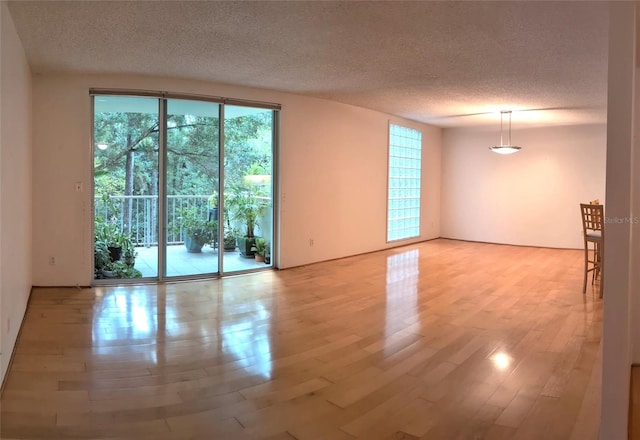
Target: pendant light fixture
(505,148)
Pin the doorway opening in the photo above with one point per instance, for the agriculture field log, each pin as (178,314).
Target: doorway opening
(183,188)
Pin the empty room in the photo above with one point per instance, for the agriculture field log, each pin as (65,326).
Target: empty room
(319,220)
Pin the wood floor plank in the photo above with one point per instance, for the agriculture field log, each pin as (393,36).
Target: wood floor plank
(634,413)
(437,340)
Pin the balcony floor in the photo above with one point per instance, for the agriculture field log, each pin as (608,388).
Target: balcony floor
(182,263)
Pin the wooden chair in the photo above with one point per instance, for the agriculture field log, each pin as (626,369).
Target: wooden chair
(593,232)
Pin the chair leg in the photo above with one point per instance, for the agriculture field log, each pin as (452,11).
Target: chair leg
(594,270)
(601,267)
(586,268)
(596,258)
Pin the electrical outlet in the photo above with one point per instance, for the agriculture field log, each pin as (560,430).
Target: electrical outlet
(311,242)
(52,261)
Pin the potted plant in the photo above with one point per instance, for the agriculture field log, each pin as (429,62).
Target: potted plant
(120,269)
(101,257)
(267,253)
(111,246)
(229,239)
(129,253)
(259,249)
(108,231)
(196,228)
(246,204)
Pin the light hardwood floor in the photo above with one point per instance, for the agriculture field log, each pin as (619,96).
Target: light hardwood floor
(443,340)
(634,410)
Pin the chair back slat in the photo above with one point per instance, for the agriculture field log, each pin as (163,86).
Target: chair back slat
(592,217)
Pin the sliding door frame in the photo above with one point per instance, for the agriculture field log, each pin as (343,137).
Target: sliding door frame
(163,98)
(162,190)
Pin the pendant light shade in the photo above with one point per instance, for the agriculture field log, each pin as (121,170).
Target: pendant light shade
(505,148)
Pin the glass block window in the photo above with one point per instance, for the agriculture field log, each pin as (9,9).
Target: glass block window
(403,194)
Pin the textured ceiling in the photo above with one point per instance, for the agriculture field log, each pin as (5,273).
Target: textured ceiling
(444,63)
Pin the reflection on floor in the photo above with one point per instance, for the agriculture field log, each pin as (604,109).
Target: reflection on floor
(180,262)
(442,340)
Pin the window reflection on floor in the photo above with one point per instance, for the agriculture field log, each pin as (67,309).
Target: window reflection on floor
(402,292)
(124,320)
(228,325)
(249,341)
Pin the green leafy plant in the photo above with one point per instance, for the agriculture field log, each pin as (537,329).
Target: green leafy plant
(111,245)
(122,270)
(196,227)
(230,235)
(260,246)
(108,234)
(247,204)
(129,253)
(102,257)
(107,230)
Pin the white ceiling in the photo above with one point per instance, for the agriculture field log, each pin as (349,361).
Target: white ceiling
(445,63)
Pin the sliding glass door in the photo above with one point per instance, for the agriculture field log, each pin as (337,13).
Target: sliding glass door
(182,187)
(192,187)
(248,187)
(125,168)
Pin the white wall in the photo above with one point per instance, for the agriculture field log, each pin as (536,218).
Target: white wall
(15,186)
(619,289)
(635,231)
(528,198)
(332,173)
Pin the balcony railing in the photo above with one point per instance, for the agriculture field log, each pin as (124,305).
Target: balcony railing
(138,215)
